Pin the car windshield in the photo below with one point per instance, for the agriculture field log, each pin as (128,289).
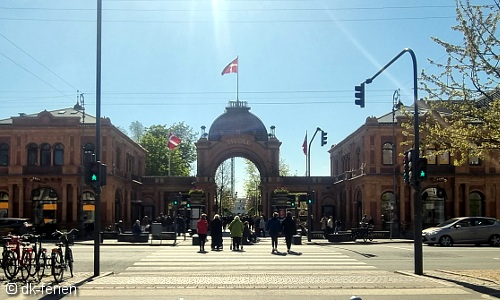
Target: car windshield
(447,222)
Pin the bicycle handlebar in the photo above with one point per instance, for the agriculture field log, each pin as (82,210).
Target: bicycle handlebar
(57,232)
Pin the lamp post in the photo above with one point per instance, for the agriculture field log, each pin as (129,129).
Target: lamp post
(396,104)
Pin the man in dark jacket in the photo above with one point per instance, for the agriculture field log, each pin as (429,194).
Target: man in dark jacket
(274,228)
(289,229)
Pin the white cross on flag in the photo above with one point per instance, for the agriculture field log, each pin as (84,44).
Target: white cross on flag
(173,141)
(232,67)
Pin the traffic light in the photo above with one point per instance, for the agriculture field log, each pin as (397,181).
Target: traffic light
(422,169)
(323,137)
(188,203)
(92,174)
(310,198)
(177,201)
(360,95)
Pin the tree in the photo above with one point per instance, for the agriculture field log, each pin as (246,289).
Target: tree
(136,130)
(223,181)
(463,100)
(123,130)
(155,140)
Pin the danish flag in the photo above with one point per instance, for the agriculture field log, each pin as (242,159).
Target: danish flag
(173,141)
(232,67)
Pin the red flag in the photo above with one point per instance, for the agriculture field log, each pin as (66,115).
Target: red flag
(232,67)
(173,141)
(304,145)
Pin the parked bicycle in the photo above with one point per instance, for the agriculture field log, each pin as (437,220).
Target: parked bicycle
(40,255)
(18,256)
(363,232)
(61,260)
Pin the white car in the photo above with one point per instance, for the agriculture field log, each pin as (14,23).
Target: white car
(464,230)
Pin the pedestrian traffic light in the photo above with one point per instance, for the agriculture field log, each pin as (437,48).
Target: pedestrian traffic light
(310,198)
(422,169)
(360,95)
(323,137)
(92,174)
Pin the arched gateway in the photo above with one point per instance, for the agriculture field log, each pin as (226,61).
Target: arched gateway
(237,133)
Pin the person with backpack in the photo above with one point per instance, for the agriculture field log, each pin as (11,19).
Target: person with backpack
(274,229)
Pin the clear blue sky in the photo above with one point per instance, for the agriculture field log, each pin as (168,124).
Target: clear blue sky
(161,61)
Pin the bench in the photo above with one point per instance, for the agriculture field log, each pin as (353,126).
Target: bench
(133,238)
(164,236)
(339,238)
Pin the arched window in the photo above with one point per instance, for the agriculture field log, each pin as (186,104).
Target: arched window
(386,209)
(45,155)
(476,204)
(32,155)
(88,151)
(58,154)
(387,154)
(4,154)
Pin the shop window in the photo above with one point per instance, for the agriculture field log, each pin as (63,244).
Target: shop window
(44,206)
(386,209)
(476,204)
(4,154)
(433,207)
(4,205)
(58,155)
(88,199)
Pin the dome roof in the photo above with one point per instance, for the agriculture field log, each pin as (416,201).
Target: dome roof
(237,120)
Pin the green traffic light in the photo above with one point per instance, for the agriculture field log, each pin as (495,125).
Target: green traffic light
(188,205)
(422,174)
(94,177)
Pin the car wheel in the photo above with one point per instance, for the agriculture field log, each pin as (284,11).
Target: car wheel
(445,241)
(495,240)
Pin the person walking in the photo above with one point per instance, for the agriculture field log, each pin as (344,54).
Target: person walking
(262,226)
(216,233)
(324,222)
(289,229)
(236,230)
(329,225)
(202,228)
(274,228)
(136,229)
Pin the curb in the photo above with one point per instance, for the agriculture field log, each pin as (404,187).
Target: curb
(469,276)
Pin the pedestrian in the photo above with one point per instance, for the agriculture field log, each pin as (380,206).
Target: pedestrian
(180,225)
(256,224)
(289,228)
(136,229)
(262,225)
(216,233)
(236,230)
(324,221)
(337,226)
(274,228)
(202,228)
(329,225)
(144,223)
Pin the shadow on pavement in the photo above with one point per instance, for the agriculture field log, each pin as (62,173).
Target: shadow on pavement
(477,288)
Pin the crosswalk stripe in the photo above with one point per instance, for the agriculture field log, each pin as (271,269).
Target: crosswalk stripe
(238,267)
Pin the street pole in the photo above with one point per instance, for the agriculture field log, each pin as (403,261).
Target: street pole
(97,221)
(309,206)
(394,205)
(417,197)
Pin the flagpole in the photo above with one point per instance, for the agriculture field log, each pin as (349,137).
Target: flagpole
(237,81)
(169,151)
(306,155)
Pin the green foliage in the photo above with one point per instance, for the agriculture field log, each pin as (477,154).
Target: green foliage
(136,130)
(464,116)
(155,140)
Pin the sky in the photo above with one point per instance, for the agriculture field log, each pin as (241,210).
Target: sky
(299,61)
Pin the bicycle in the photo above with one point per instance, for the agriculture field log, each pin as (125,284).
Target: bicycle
(40,255)
(10,262)
(60,262)
(14,258)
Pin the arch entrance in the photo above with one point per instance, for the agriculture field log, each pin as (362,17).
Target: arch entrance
(237,133)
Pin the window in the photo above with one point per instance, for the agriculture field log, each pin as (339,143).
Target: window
(88,207)
(44,206)
(4,205)
(58,155)
(386,207)
(431,156)
(45,155)
(32,155)
(476,200)
(118,158)
(4,154)
(474,161)
(433,207)
(444,158)
(387,154)
(88,152)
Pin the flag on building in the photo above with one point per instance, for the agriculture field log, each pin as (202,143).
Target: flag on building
(232,67)
(304,145)
(173,141)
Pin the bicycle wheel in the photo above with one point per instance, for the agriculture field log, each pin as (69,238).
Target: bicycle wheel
(57,266)
(41,265)
(69,260)
(10,264)
(370,235)
(28,265)
(365,236)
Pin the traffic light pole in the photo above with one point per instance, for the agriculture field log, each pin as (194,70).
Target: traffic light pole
(417,197)
(97,220)
(309,206)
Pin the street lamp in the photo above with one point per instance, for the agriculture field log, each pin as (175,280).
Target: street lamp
(396,104)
